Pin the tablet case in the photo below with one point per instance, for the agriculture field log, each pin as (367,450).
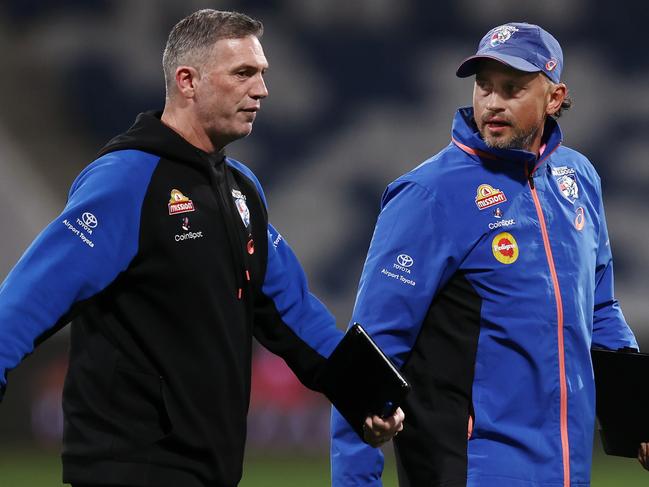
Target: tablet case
(360,380)
(622,400)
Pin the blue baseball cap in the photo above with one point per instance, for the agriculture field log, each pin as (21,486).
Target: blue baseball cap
(522,46)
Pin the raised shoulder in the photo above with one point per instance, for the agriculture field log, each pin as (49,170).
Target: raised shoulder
(442,175)
(124,171)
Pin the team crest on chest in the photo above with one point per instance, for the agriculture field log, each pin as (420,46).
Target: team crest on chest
(566,178)
(242,207)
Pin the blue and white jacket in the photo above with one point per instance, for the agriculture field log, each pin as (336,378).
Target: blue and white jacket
(488,280)
(165,261)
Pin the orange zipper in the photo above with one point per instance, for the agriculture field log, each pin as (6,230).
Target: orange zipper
(562,356)
(565,446)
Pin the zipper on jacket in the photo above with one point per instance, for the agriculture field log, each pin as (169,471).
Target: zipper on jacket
(230,183)
(220,187)
(563,389)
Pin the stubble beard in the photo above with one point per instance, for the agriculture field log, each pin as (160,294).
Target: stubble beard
(518,140)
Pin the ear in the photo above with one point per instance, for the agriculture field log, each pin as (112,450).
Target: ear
(187,78)
(556,94)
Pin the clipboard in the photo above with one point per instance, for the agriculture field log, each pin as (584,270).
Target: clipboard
(622,400)
(360,380)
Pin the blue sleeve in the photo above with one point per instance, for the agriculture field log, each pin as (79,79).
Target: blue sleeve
(286,285)
(289,320)
(77,255)
(610,329)
(413,253)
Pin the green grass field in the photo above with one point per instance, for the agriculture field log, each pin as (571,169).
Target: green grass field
(42,469)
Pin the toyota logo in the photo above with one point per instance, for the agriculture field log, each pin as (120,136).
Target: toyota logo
(405,260)
(89,220)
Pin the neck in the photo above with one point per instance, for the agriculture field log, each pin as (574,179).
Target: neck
(183,121)
(535,146)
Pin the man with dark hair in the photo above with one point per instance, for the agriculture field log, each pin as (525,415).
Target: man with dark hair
(165,262)
(488,279)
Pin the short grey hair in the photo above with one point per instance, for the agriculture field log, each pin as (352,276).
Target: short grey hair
(191,39)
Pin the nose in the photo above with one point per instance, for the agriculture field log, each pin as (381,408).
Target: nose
(494,102)
(258,89)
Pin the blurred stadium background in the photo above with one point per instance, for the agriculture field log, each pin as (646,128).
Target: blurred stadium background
(361,91)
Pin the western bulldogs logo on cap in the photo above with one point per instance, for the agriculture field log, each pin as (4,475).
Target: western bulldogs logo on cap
(502,34)
(522,46)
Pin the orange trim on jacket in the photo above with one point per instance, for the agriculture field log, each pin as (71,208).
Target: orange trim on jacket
(563,408)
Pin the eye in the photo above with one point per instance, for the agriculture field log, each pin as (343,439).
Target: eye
(244,72)
(482,84)
(513,89)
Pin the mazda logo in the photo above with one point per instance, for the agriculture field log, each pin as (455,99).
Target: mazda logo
(404,260)
(89,220)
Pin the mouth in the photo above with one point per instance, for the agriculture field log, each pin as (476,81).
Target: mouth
(249,114)
(495,124)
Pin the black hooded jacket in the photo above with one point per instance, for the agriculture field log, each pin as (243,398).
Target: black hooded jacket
(170,269)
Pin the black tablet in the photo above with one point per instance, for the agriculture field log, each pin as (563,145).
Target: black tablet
(622,400)
(360,380)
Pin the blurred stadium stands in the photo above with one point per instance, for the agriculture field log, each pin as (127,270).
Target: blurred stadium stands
(361,91)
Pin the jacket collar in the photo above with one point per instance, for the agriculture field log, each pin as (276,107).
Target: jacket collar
(466,136)
(149,134)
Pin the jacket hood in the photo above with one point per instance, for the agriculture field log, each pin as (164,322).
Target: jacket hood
(465,133)
(150,135)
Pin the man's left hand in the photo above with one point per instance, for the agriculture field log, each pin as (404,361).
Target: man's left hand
(377,430)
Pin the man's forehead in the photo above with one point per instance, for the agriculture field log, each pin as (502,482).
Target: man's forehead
(244,49)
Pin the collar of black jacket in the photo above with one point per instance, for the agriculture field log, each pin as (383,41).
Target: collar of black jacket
(149,134)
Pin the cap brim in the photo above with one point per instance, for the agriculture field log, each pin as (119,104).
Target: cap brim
(470,65)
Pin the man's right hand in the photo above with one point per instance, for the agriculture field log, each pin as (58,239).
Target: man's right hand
(643,455)
(377,430)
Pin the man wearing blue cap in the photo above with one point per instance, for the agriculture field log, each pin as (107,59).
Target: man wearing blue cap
(488,279)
